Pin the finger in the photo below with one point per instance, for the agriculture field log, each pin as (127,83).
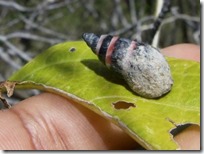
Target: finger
(183,51)
(48,121)
(189,139)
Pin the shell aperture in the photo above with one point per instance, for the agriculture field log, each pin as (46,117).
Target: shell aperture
(142,66)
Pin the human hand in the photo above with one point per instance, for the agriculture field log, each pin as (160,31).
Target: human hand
(48,121)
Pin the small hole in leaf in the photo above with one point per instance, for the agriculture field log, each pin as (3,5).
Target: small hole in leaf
(72,49)
(123,105)
(178,129)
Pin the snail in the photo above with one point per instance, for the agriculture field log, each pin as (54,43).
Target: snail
(142,66)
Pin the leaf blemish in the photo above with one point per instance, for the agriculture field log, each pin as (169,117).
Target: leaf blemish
(9,87)
(72,49)
(178,129)
(123,105)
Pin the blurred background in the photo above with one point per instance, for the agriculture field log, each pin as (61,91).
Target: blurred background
(27,27)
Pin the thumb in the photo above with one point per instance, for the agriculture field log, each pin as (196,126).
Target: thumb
(48,121)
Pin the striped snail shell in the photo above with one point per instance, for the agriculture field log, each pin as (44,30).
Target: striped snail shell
(142,66)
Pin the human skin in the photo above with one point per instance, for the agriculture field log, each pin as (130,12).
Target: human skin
(49,121)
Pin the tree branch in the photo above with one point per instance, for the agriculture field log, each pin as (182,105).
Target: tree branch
(31,36)
(6,58)
(14,48)
(43,29)
(14,5)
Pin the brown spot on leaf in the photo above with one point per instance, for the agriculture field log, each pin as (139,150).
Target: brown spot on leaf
(72,49)
(9,87)
(123,105)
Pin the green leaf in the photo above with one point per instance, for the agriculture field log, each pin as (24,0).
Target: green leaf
(71,69)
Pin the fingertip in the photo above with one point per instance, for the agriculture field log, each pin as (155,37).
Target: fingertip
(192,134)
(183,51)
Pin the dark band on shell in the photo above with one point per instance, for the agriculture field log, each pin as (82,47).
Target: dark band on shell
(142,66)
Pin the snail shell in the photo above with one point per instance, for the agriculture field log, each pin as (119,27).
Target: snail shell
(142,66)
